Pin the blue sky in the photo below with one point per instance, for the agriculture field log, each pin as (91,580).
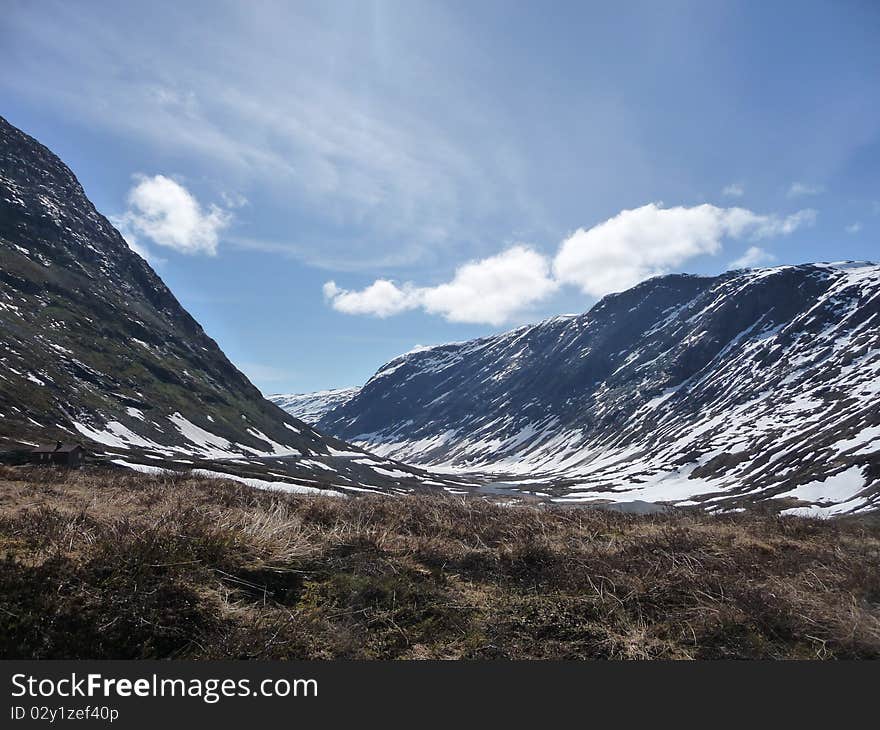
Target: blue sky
(327,185)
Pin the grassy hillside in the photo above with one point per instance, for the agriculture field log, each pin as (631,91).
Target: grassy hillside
(105,564)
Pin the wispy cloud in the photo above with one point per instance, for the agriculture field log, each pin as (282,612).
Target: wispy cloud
(754,256)
(352,254)
(799,190)
(274,111)
(853,228)
(734,190)
(611,256)
(233,199)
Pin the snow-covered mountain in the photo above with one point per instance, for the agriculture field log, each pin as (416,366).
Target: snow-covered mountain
(95,348)
(753,385)
(311,407)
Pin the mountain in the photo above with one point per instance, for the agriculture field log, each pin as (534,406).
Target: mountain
(94,347)
(311,407)
(756,385)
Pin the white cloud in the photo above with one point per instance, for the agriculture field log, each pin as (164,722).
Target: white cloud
(734,190)
(494,289)
(489,291)
(165,212)
(611,256)
(799,189)
(382,298)
(754,256)
(648,241)
(853,228)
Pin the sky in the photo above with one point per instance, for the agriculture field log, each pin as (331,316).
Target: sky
(327,185)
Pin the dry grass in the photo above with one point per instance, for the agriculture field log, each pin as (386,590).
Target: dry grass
(117,565)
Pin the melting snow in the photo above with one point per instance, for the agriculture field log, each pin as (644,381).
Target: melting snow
(838,488)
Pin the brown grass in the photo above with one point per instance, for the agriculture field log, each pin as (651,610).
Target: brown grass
(118,565)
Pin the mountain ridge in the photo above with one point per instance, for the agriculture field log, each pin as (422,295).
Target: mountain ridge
(681,389)
(311,407)
(95,348)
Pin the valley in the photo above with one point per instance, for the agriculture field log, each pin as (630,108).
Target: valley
(756,386)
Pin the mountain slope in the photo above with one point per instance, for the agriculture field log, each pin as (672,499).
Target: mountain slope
(715,391)
(94,347)
(311,407)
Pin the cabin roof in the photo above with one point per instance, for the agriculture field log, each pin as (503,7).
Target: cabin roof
(58,448)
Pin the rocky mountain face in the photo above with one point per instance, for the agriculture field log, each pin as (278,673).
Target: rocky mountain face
(759,385)
(95,348)
(311,407)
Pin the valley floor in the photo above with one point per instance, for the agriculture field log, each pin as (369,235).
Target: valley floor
(110,564)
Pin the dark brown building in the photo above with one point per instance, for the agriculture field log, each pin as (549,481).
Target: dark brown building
(59,454)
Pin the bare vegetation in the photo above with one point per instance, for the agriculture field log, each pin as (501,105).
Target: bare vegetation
(118,565)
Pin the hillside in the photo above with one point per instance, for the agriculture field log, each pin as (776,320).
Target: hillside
(119,565)
(754,385)
(95,348)
(311,407)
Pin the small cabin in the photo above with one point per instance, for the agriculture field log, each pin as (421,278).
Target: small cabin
(59,454)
